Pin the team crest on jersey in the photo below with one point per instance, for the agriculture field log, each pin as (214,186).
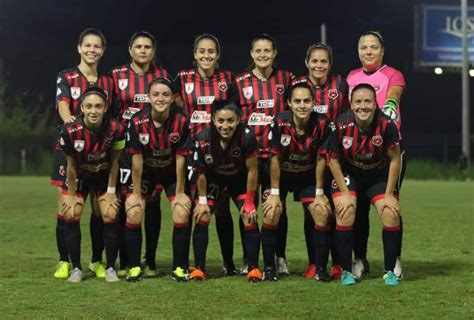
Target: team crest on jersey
(174,137)
(377,140)
(122,83)
(189,87)
(247,92)
(235,152)
(333,94)
(347,142)
(285,140)
(79,145)
(62,170)
(222,86)
(144,138)
(280,89)
(208,158)
(75,92)
(376,87)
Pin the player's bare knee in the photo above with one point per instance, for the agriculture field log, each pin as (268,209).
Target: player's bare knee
(390,218)
(347,220)
(180,215)
(135,215)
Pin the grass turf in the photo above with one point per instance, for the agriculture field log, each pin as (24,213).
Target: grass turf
(437,258)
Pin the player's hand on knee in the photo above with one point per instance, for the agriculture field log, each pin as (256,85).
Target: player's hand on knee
(201,211)
(320,206)
(272,207)
(391,203)
(72,206)
(182,199)
(133,201)
(344,203)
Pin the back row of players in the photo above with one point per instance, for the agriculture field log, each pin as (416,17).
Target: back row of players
(229,135)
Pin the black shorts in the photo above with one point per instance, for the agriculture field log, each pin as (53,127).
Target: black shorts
(373,184)
(96,183)
(233,186)
(303,188)
(150,184)
(58,175)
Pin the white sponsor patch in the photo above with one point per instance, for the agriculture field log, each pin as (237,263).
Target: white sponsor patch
(262,104)
(259,119)
(205,100)
(200,117)
(320,108)
(129,112)
(141,98)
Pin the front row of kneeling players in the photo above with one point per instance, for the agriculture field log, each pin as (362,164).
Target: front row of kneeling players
(361,151)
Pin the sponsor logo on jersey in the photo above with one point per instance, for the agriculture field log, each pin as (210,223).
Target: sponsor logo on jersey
(242,77)
(208,158)
(61,141)
(144,138)
(122,83)
(174,137)
(96,156)
(58,81)
(222,86)
(189,87)
(141,98)
(333,94)
(129,112)
(235,152)
(347,142)
(79,145)
(259,119)
(200,117)
(205,100)
(270,135)
(285,140)
(58,92)
(320,108)
(75,92)
(163,152)
(62,170)
(74,76)
(119,69)
(377,140)
(280,89)
(247,92)
(262,104)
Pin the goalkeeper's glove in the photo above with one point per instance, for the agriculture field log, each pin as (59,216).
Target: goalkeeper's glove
(390,109)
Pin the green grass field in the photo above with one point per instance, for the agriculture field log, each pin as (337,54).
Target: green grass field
(438,262)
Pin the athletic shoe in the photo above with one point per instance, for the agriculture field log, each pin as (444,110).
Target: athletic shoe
(76,275)
(390,279)
(122,273)
(229,271)
(310,271)
(398,269)
(111,275)
(255,275)
(180,275)
(360,268)
(62,270)
(97,268)
(270,275)
(322,275)
(336,272)
(347,278)
(197,275)
(281,267)
(244,269)
(134,274)
(150,273)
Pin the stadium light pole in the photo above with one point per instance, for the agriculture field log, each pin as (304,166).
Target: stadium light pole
(323,33)
(466,143)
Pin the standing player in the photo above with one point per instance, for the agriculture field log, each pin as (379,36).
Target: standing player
(71,83)
(364,155)
(158,144)
(260,93)
(92,145)
(225,157)
(131,82)
(295,139)
(389,85)
(197,88)
(330,100)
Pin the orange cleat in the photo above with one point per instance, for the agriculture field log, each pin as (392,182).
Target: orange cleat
(197,275)
(255,275)
(310,271)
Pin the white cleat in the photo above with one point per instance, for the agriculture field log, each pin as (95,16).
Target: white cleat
(398,269)
(111,275)
(76,275)
(281,267)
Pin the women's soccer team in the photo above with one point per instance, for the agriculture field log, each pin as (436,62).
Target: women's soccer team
(208,137)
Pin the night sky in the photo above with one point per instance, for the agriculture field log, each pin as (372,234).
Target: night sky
(39,40)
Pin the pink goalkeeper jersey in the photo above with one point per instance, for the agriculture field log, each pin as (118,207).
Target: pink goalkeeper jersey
(382,79)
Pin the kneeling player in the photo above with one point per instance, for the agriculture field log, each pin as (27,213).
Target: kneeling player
(364,157)
(225,157)
(159,144)
(92,145)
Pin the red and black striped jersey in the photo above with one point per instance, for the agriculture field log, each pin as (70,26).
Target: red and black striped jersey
(210,158)
(260,100)
(297,153)
(159,146)
(198,93)
(359,150)
(92,150)
(331,98)
(71,83)
(131,89)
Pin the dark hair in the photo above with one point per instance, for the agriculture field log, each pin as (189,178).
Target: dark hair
(162,80)
(299,85)
(218,105)
(94,90)
(262,36)
(374,33)
(209,36)
(320,46)
(142,34)
(364,86)
(92,32)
